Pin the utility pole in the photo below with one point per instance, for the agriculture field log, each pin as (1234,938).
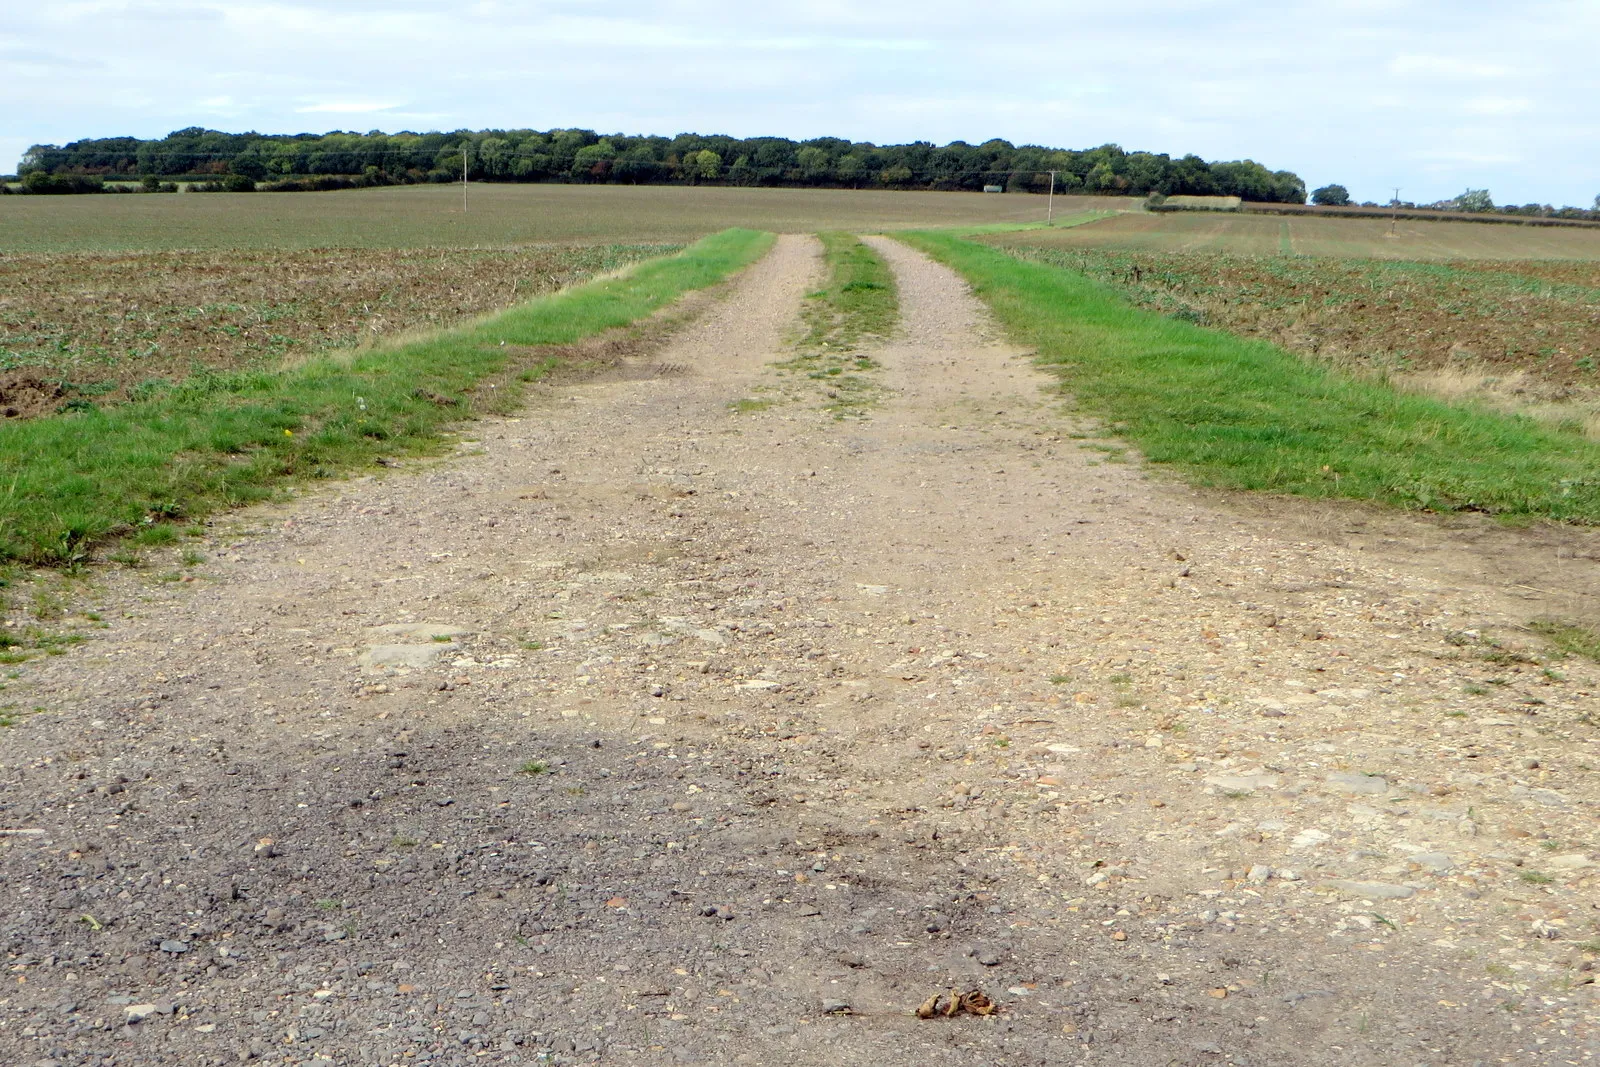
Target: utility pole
(1050,202)
(464,146)
(1394,213)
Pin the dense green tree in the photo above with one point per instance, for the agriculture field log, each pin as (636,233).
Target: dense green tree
(851,170)
(1146,172)
(592,163)
(899,174)
(742,172)
(707,165)
(494,157)
(813,163)
(1331,196)
(1102,178)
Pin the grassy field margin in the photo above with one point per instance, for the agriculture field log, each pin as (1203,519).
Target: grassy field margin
(1065,222)
(1241,414)
(71,481)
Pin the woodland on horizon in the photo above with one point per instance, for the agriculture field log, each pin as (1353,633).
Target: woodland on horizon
(336,160)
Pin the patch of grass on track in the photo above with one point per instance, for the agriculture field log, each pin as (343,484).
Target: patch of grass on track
(1242,414)
(858,306)
(859,303)
(1570,637)
(221,440)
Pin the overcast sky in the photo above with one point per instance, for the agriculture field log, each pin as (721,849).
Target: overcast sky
(1431,95)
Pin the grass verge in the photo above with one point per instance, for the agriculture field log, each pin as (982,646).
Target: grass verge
(215,441)
(858,305)
(1243,414)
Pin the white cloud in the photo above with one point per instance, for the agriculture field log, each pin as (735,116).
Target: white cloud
(1499,105)
(1445,67)
(344,107)
(1479,156)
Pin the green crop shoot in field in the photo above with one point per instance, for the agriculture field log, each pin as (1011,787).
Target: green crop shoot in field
(215,441)
(1243,414)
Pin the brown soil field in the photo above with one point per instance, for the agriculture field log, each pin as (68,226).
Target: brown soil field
(1523,334)
(103,324)
(498,216)
(1338,237)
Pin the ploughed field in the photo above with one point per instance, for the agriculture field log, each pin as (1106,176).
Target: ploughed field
(102,298)
(91,327)
(1340,237)
(1540,318)
(1521,333)
(496,216)
(105,298)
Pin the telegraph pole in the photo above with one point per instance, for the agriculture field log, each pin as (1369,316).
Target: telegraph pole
(464,177)
(1394,213)
(1050,202)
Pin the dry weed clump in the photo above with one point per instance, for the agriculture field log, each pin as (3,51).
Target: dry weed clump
(110,326)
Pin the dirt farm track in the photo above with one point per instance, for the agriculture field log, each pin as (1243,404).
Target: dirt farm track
(653,727)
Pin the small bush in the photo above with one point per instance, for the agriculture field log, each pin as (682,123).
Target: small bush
(232,183)
(43,183)
(318,183)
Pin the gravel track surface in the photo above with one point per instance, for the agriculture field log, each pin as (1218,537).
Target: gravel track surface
(653,727)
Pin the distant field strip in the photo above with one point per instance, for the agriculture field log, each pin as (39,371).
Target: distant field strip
(1242,414)
(498,216)
(107,325)
(214,441)
(1065,220)
(1273,235)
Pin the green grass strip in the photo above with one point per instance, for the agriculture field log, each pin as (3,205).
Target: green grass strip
(858,306)
(858,303)
(212,442)
(1243,414)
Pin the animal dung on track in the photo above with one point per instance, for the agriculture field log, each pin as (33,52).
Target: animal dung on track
(946,1005)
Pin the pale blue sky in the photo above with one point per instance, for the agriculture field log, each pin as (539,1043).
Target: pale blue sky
(1428,95)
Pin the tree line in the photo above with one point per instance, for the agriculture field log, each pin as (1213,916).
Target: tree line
(336,160)
(1471,201)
